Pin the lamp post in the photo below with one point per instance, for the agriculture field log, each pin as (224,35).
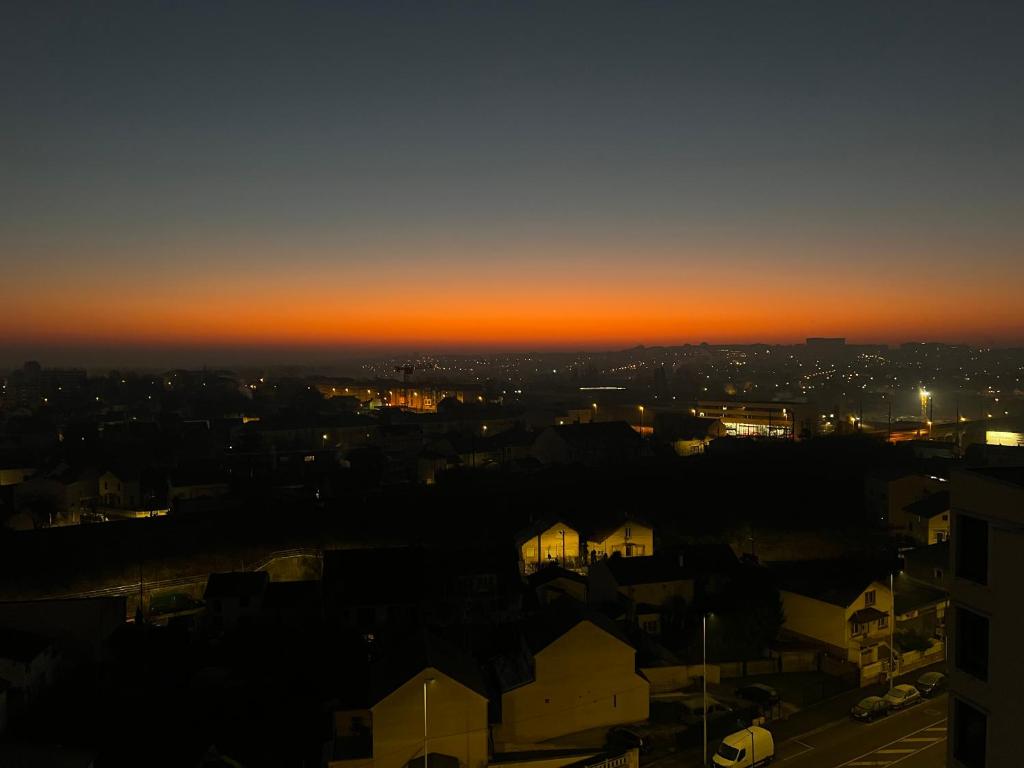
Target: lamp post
(594,416)
(892,631)
(562,531)
(641,421)
(704,682)
(426,754)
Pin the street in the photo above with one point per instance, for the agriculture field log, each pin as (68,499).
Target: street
(912,738)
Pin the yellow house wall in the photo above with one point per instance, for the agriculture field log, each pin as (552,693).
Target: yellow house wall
(456,723)
(551,544)
(640,535)
(585,679)
(814,618)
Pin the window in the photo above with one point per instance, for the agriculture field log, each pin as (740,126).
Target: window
(883,622)
(969,731)
(971,643)
(869,598)
(971,548)
(629,532)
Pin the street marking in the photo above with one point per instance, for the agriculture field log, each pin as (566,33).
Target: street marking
(805,746)
(924,738)
(862,759)
(895,751)
(938,728)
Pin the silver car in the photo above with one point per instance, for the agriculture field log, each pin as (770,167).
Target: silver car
(903,695)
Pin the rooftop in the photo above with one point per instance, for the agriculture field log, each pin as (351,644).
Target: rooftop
(931,505)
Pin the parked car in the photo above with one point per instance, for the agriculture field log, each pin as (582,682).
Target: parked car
(759,693)
(693,708)
(749,747)
(931,684)
(900,696)
(626,738)
(870,708)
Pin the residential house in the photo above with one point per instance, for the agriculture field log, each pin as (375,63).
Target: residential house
(929,565)
(928,518)
(426,698)
(28,662)
(648,588)
(554,582)
(687,433)
(57,497)
(233,597)
(131,492)
(195,482)
(629,538)
(594,444)
(888,494)
(841,605)
(383,589)
(549,541)
(569,669)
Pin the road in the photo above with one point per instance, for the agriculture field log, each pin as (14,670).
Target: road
(912,738)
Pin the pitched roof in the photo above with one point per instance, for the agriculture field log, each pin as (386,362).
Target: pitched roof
(550,573)
(686,563)
(864,615)
(600,531)
(539,526)
(236,584)
(931,505)
(19,645)
(423,650)
(912,596)
(837,582)
(555,620)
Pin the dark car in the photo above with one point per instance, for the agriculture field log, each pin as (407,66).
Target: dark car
(626,738)
(870,708)
(931,684)
(760,694)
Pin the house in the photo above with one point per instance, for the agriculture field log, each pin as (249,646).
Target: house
(79,627)
(929,565)
(57,497)
(642,581)
(629,538)
(688,434)
(928,518)
(554,582)
(426,698)
(568,669)
(549,541)
(594,444)
(375,590)
(888,494)
(842,606)
(130,492)
(233,597)
(195,482)
(28,662)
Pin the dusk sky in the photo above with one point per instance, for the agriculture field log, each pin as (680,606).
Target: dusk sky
(519,175)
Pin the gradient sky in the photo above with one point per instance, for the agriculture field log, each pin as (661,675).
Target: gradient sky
(452,176)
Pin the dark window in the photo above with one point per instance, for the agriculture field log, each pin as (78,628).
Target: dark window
(869,598)
(969,726)
(972,643)
(972,549)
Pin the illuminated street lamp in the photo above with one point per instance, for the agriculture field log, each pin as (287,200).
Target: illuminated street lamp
(641,421)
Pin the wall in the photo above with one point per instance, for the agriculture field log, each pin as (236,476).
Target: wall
(815,619)
(585,679)
(640,536)
(551,545)
(456,723)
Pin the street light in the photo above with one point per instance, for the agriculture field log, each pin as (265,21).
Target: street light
(426,754)
(704,681)
(892,631)
(641,421)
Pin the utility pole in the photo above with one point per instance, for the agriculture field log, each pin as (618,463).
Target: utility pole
(892,631)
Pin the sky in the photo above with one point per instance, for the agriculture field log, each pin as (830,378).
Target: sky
(508,175)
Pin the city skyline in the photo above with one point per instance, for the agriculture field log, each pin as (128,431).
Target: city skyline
(387,177)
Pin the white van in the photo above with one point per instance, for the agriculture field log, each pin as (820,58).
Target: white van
(749,747)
